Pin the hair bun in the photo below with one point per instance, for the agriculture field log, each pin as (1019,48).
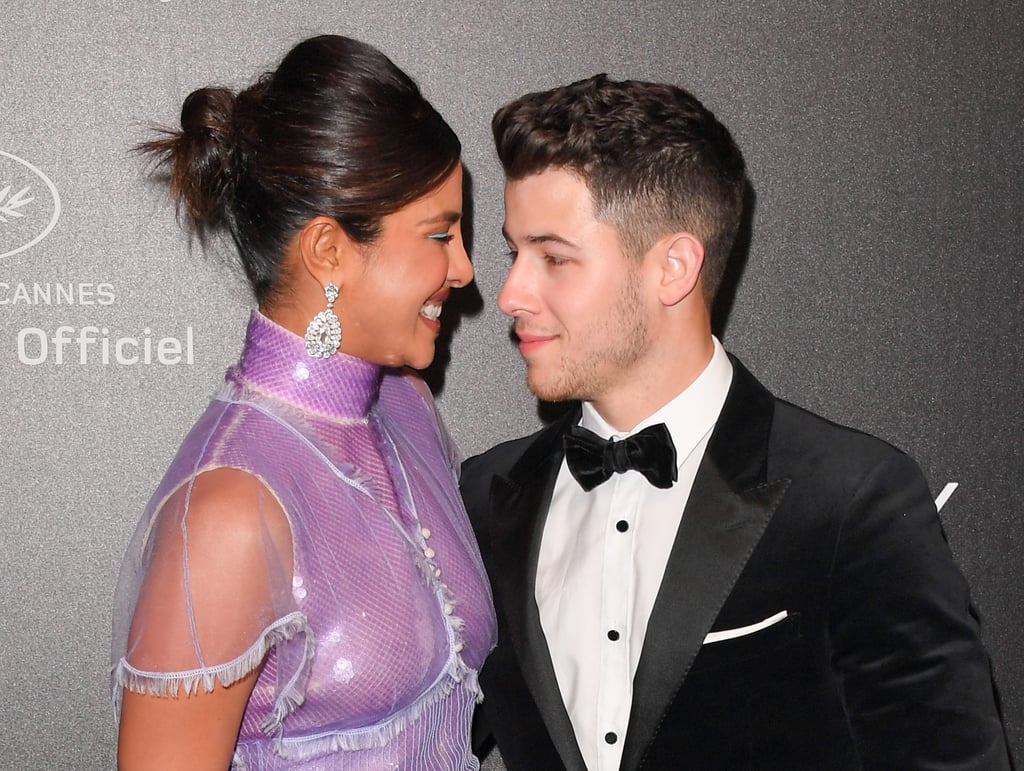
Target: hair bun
(206,153)
(200,156)
(206,115)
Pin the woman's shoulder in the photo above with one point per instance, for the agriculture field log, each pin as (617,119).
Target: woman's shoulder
(231,503)
(223,516)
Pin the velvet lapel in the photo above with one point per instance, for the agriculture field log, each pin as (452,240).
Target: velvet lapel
(520,504)
(729,507)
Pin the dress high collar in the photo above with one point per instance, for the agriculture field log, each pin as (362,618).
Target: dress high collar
(275,363)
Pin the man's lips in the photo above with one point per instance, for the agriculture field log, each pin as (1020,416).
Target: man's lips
(531,342)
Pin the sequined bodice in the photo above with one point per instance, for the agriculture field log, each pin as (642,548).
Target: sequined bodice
(386,615)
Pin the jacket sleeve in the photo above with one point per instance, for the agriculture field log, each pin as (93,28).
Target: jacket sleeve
(915,678)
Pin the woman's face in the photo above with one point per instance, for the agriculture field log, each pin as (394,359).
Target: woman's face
(390,308)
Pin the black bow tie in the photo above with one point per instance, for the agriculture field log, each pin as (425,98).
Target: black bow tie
(592,460)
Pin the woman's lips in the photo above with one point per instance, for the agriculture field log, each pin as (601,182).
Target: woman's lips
(430,311)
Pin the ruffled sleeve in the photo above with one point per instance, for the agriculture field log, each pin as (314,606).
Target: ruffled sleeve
(205,591)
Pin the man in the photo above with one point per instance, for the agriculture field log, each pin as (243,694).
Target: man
(731,582)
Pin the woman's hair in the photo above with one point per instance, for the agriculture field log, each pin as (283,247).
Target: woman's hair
(336,130)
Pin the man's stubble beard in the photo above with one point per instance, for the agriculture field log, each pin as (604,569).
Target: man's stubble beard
(613,346)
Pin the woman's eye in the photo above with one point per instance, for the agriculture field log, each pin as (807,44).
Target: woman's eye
(442,237)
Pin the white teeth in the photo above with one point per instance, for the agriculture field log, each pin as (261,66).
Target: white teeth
(432,312)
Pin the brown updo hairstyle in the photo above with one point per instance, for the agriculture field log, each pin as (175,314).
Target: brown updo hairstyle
(336,130)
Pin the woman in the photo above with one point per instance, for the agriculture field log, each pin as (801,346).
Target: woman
(304,590)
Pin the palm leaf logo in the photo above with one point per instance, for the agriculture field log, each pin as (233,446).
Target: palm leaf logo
(29,205)
(9,204)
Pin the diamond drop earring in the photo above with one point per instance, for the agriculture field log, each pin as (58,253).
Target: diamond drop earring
(323,335)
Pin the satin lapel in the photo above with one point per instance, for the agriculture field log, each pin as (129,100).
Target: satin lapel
(519,506)
(729,508)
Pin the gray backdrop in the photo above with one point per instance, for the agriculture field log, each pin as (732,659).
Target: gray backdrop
(882,286)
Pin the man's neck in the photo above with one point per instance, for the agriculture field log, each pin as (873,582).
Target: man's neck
(654,384)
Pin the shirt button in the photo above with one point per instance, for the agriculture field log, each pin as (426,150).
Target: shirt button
(622,526)
(613,635)
(429,553)
(610,737)
(425,531)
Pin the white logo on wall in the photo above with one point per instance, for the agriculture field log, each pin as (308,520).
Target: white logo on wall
(97,345)
(29,205)
(29,210)
(92,343)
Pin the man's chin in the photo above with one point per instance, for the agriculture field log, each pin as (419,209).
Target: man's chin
(547,391)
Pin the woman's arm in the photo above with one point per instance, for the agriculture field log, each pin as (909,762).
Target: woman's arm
(174,733)
(219,560)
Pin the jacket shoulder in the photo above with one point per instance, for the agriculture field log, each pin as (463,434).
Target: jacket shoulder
(478,470)
(790,440)
(808,431)
(828,456)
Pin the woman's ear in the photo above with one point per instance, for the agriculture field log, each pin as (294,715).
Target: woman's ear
(325,250)
(681,256)
(320,254)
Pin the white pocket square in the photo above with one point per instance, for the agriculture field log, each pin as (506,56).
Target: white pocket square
(740,631)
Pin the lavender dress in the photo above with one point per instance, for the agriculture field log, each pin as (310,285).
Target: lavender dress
(371,613)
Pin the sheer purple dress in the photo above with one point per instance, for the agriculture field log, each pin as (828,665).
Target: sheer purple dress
(367,603)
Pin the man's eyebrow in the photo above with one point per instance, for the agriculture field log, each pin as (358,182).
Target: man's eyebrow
(542,238)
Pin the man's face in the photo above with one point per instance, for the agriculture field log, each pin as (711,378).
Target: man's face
(579,304)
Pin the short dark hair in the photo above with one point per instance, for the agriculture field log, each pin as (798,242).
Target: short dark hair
(337,130)
(654,159)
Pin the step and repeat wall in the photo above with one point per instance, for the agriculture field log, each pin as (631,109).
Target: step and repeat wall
(881,285)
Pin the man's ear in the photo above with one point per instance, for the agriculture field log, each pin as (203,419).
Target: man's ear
(326,250)
(680,258)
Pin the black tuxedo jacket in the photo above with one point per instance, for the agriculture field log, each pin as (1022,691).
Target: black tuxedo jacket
(877,663)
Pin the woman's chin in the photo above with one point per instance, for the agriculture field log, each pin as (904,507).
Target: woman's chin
(422,361)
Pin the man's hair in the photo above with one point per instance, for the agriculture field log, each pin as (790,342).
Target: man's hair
(654,159)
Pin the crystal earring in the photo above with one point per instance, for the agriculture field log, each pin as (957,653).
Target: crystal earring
(323,335)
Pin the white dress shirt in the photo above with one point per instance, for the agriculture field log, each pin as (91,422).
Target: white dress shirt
(602,557)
